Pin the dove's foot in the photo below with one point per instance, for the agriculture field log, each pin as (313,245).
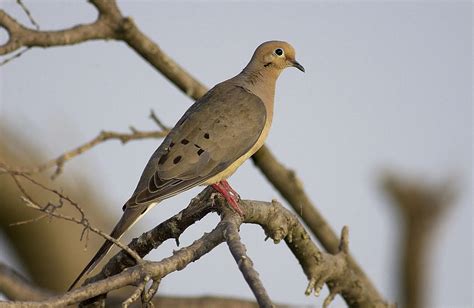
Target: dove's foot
(230,189)
(229,194)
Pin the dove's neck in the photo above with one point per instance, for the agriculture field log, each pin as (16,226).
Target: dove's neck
(260,82)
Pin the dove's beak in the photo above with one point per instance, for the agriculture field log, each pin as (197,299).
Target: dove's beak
(295,63)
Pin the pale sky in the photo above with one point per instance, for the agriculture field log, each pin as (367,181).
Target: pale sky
(387,85)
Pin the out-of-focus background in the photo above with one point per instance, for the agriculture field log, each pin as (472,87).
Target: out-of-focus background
(388,86)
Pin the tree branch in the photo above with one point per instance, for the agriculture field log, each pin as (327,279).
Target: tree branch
(50,209)
(278,223)
(422,206)
(16,287)
(103,136)
(239,252)
(20,36)
(291,188)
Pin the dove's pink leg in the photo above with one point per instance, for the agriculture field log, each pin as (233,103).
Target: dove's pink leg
(228,193)
(230,189)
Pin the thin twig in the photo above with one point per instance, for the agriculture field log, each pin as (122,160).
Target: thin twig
(15,56)
(136,294)
(50,210)
(28,14)
(103,136)
(158,122)
(147,296)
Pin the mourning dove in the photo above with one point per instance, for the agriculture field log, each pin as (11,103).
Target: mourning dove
(211,140)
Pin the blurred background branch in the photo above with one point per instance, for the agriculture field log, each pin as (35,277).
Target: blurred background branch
(421,206)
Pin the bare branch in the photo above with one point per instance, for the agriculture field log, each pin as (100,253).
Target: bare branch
(158,122)
(291,188)
(15,56)
(20,36)
(245,264)
(28,14)
(172,228)
(147,295)
(109,25)
(16,287)
(50,209)
(279,224)
(102,137)
(136,294)
(422,206)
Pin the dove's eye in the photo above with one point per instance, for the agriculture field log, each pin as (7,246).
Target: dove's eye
(279,52)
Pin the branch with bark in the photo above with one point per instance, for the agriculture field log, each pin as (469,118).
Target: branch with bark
(278,224)
(103,136)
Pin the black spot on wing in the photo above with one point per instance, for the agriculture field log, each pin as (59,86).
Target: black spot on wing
(200,151)
(206,135)
(177,159)
(184,141)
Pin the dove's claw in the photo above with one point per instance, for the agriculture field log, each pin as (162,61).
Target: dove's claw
(230,189)
(231,196)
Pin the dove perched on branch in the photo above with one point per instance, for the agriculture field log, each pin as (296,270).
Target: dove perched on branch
(212,139)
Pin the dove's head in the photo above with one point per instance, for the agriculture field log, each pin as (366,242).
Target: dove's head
(275,55)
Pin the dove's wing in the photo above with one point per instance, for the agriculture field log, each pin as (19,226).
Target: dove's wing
(216,130)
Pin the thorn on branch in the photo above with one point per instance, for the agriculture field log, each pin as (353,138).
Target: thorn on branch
(333,291)
(310,287)
(344,242)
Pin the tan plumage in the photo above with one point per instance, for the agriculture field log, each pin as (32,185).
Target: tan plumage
(212,139)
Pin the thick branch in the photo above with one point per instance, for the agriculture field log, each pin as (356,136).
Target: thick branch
(20,36)
(291,188)
(279,224)
(16,287)
(171,228)
(136,274)
(319,267)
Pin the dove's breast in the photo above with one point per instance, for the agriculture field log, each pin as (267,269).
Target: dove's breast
(233,167)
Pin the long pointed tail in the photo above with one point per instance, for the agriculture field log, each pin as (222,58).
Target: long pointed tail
(129,217)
